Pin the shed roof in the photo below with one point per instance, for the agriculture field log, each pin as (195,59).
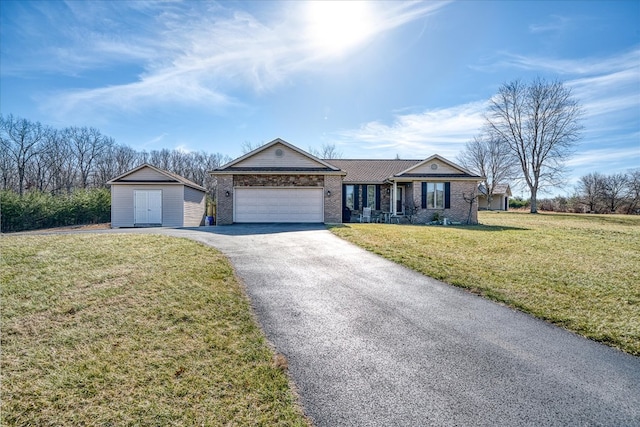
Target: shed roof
(171,178)
(499,189)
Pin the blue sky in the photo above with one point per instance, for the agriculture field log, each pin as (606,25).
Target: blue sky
(375,79)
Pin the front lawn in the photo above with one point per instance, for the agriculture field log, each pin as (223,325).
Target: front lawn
(132,330)
(578,271)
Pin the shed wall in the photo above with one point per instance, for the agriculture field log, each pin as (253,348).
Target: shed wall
(195,204)
(122,204)
(145,174)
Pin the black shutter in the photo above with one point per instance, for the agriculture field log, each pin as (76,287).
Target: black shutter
(424,195)
(377,197)
(356,197)
(447,195)
(365,201)
(344,197)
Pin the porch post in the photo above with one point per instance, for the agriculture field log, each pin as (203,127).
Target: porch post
(393,198)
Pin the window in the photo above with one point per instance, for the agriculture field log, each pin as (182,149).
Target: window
(435,195)
(349,197)
(371,196)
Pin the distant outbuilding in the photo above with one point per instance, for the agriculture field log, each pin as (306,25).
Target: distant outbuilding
(147,196)
(499,199)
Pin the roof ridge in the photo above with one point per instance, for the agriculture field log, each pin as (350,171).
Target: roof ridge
(377,160)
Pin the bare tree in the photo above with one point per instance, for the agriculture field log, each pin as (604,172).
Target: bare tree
(7,170)
(327,151)
(539,123)
(614,191)
(125,159)
(590,190)
(248,146)
(633,186)
(86,144)
(21,140)
(61,162)
(161,159)
(487,156)
(471,199)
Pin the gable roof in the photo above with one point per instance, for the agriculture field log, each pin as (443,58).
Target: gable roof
(311,163)
(418,170)
(371,171)
(499,189)
(170,178)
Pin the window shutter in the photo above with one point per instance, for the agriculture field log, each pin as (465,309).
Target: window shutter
(378,197)
(365,201)
(424,195)
(344,197)
(356,197)
(447,195)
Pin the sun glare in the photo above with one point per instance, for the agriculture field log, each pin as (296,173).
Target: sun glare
(334,27)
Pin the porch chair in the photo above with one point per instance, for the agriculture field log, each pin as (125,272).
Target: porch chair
(365,216)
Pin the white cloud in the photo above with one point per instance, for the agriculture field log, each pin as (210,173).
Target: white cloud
(603,158)
(567,67)
(183,149)
(556,23)
(608,93)
(199,52)
(418,135)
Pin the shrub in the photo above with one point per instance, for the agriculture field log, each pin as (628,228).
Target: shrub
(519,203)
(36,210)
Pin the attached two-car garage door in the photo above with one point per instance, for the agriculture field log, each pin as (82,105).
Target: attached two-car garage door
(278,205)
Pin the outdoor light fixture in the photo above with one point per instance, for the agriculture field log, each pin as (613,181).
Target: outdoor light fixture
(226,193)
(328,193)
(388,191)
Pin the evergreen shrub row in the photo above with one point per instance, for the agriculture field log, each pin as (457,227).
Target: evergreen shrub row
(36,210)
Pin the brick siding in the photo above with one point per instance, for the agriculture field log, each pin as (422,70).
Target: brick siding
(333,203)
(459,211)
(224,203)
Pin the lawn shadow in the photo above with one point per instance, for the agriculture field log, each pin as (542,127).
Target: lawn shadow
(474,227)
(482,227)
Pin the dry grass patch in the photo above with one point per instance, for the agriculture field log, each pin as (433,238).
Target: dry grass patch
(578,271)
(132,330)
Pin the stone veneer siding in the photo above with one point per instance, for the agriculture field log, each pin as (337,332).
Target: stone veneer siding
(459,210)
(278,180)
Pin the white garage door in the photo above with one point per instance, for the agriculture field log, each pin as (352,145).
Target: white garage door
(278,205)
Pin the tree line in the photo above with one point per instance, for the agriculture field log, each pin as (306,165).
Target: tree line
(38,157)
(595,193)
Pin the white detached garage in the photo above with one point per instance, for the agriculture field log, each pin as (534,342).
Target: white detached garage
(147,196)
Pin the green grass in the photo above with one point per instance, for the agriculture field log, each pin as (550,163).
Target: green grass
(581,272)
(132,330)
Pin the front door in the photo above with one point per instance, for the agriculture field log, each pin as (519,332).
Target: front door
(399,200)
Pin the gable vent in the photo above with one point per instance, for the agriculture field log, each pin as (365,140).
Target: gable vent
(279,152)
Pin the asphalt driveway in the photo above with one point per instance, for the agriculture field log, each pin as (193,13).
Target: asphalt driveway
(371,343)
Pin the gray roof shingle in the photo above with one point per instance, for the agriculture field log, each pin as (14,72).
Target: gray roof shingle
(370,171)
